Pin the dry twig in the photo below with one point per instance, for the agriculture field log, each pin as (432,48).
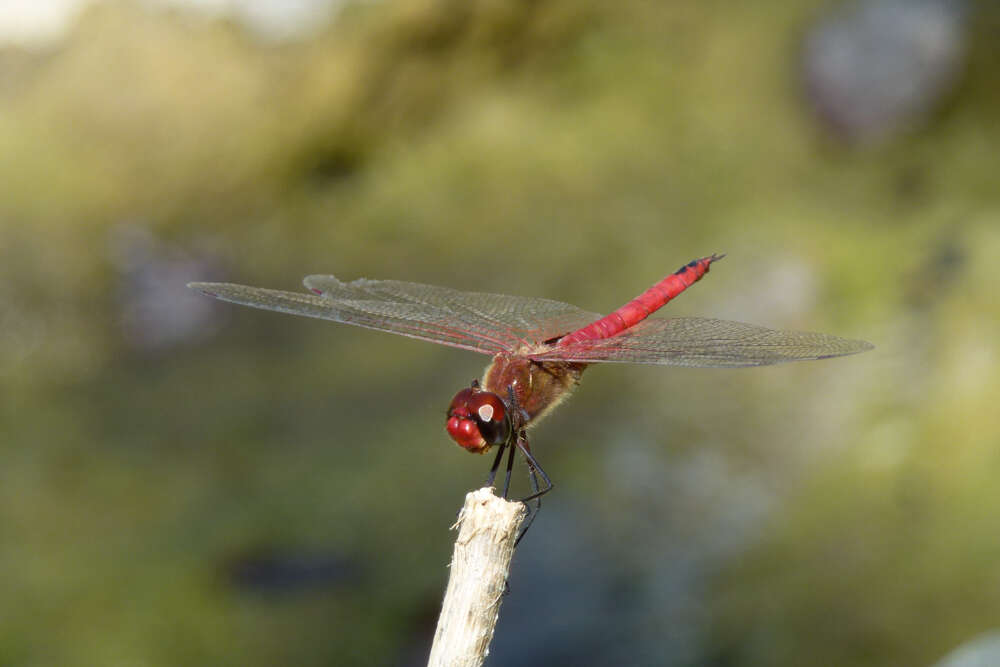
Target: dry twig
(479,565)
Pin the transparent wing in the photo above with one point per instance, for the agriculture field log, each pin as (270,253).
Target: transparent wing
(487,323)
(698,341)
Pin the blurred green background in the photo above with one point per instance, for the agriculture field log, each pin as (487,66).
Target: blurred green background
(189,482)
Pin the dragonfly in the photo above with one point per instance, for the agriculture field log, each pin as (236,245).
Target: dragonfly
(539,347)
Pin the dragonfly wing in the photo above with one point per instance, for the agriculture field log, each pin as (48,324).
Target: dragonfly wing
(704,342)
(487,323)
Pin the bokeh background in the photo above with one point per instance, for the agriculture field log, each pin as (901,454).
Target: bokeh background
(189,482)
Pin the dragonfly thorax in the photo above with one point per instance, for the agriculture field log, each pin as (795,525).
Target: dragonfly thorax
(538,385)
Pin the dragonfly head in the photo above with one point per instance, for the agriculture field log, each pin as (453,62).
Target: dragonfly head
(478,419)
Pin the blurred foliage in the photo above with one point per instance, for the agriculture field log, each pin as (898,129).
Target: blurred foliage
(839,513)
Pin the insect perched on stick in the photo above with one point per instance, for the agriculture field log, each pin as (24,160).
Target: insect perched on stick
(540,348)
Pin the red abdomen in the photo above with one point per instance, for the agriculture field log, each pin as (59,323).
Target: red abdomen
(643,305)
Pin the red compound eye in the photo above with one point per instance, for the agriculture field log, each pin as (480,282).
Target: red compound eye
(478,420)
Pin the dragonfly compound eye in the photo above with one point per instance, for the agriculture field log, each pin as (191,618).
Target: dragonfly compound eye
(478,420)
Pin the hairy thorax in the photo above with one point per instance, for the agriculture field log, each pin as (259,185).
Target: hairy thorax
(538,385)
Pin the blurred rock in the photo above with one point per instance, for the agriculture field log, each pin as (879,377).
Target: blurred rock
(272,571)
(31,22)
(874,67)
(983,651)
(937,274)
(157,310)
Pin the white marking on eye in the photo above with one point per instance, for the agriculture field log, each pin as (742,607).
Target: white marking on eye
(485,412)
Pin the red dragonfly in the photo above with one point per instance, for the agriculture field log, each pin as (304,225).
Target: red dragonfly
(540,348)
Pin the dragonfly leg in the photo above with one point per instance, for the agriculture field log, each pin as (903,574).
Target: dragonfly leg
(532,513)
(522,444)
(520,437)
(496,464)
(510,466)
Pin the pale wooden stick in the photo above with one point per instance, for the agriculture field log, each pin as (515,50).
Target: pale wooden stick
(479,567)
